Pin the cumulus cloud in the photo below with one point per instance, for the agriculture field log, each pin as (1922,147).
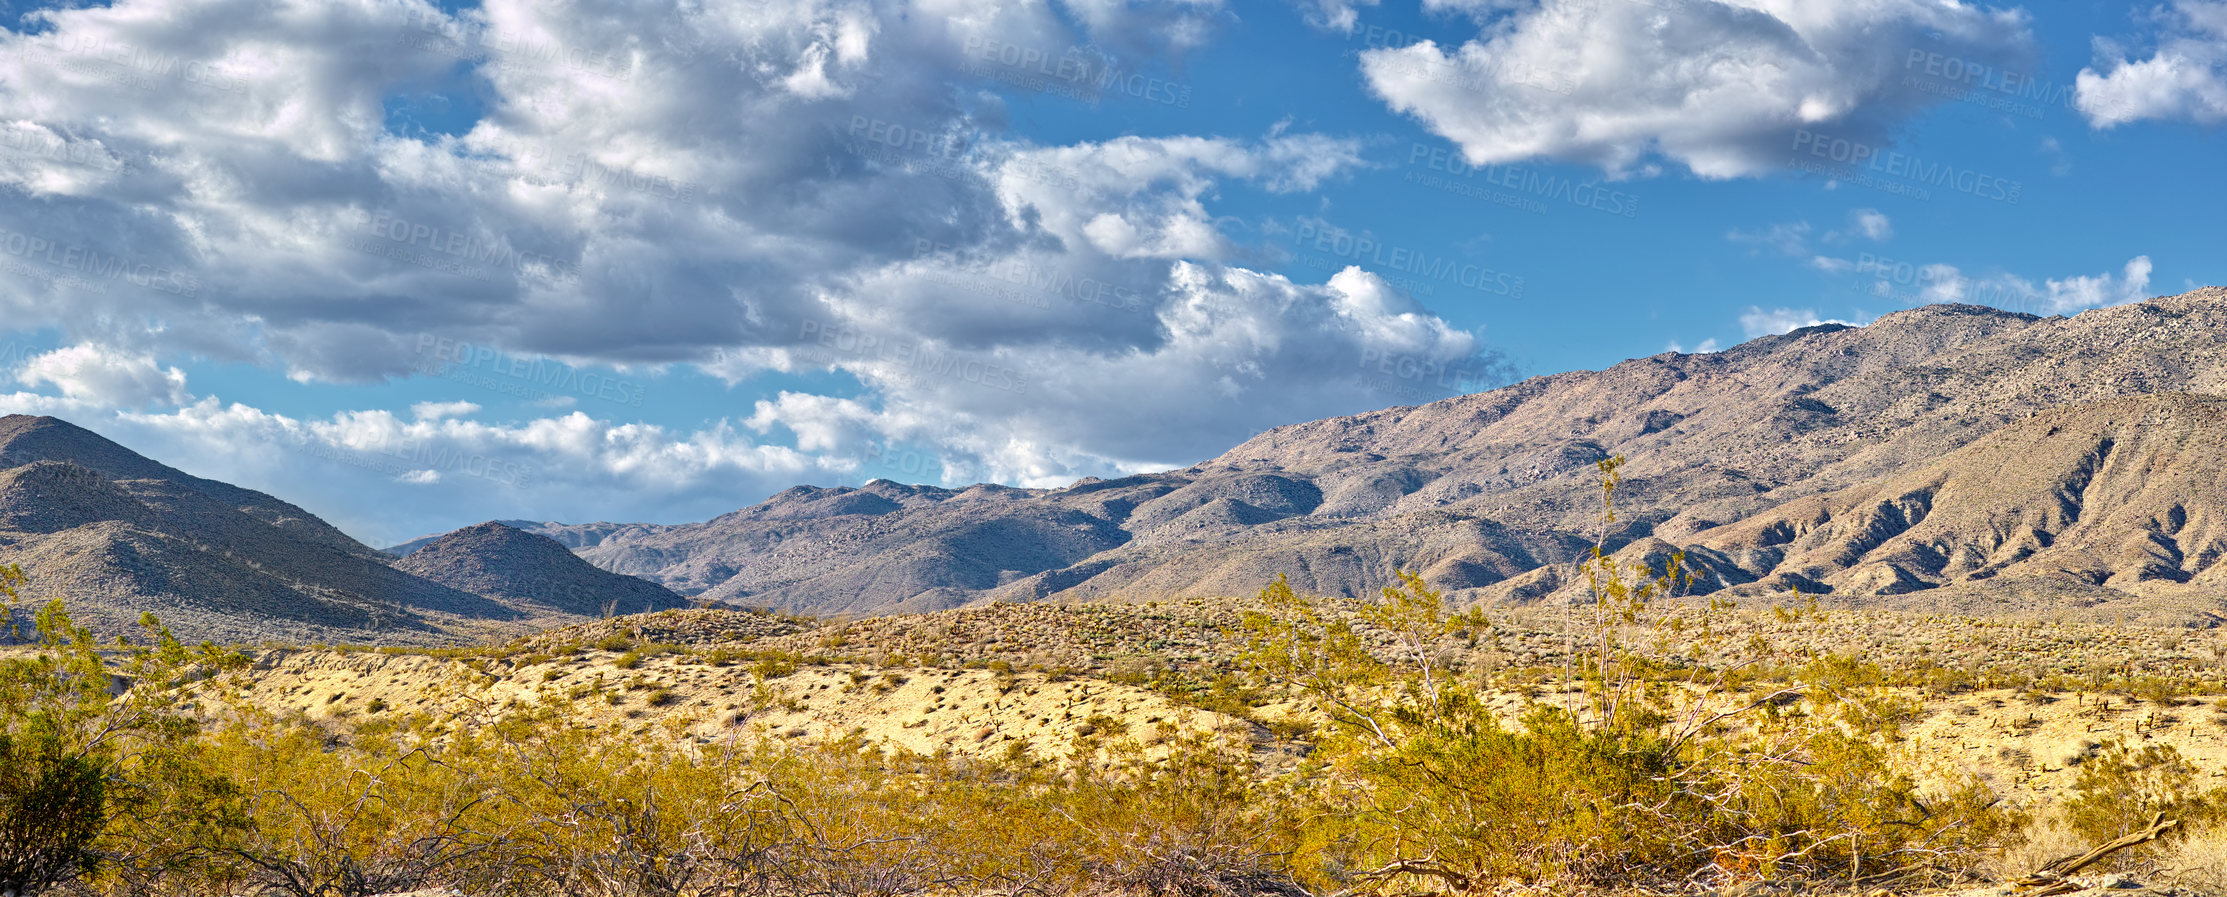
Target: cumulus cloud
(572,467)
(2184,77)
(104,377)
(730,185)
(1758,322)
(2100,290)
(1912,284)
(1718,87)
(2051,297)
(1235,352)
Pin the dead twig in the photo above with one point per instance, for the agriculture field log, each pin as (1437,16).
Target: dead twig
(2050,878)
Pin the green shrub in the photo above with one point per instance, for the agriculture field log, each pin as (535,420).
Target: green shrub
(2121,787)
(1648,776)
(53,804)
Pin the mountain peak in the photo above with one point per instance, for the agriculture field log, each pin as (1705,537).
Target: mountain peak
(27,439)
(503,562)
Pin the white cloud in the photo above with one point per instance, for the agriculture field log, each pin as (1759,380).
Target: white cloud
(2185,77)
(1138,197)
(623,199)
(1791,238)
(1236,351)
(1938,283)
(731,184)
(440,410)
(1333,15)
(1870,224)
(821,423)
(564,468)
(1757,322)
(1707,346)
(1719,87)
(2101,290)
(108,377)
(2060,162)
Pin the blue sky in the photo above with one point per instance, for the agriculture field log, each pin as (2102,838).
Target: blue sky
(417,266)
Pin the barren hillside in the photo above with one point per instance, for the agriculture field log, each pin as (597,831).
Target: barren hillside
(1488,493)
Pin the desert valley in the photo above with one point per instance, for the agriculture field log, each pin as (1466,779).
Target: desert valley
(1113,448)
(1984,546)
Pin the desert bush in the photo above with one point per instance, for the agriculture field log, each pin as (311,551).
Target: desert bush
(53,804)
(99,765)
(342,823)
(2122,786)
(1657,776)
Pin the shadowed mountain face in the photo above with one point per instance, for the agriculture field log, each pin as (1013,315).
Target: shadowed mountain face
(533,571)
(1490,495)
(116,535)
(25,439)
(407,548)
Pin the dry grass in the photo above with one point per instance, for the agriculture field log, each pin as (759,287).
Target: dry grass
(2197,864)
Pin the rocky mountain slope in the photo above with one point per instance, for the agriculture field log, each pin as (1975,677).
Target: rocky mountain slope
(533,572)
(2128,495)
(1488,493)
(115,535)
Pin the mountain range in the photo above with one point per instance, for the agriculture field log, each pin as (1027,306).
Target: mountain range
(1947,453)
(1947,456)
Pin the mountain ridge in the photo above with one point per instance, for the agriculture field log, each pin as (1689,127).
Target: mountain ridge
(115,534)
(1478,491)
